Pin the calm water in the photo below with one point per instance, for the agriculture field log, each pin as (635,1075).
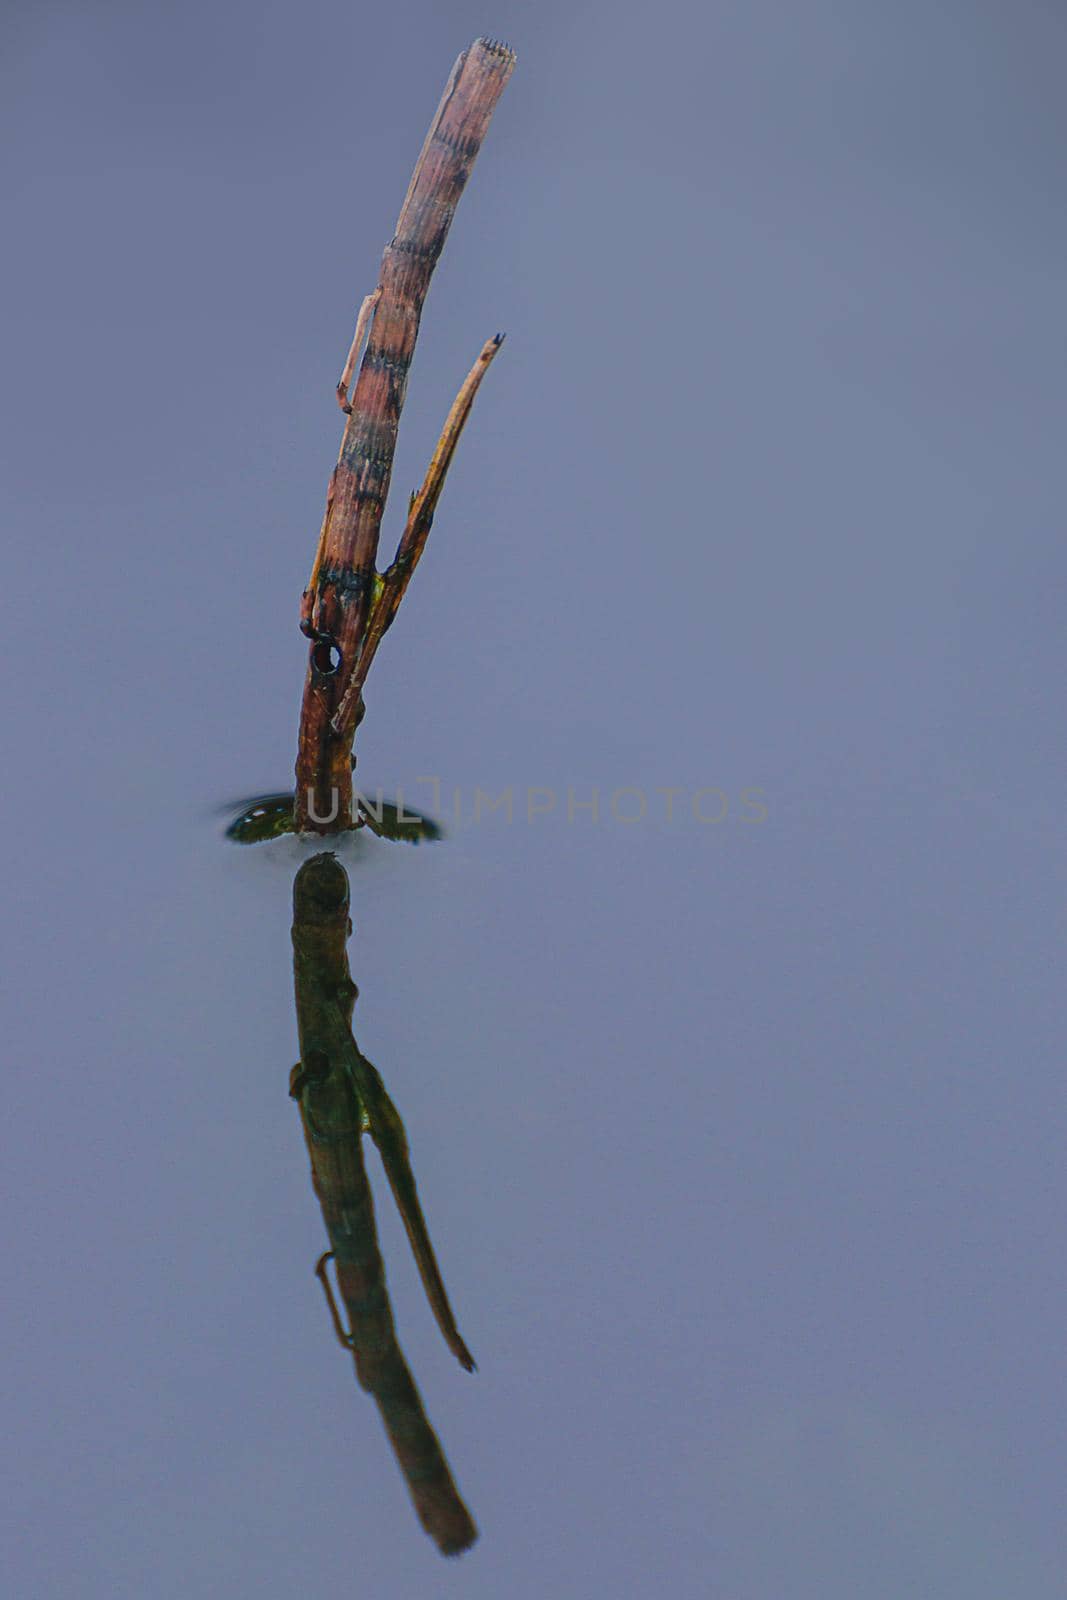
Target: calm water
(741,1140)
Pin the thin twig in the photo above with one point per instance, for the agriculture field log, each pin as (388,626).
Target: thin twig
(365,310)
(395,579)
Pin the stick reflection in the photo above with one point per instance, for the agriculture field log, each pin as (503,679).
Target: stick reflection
(341,1096)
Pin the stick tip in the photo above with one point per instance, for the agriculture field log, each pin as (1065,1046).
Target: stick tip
(497,47)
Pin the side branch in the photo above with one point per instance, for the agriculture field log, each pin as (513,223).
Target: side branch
(395,579)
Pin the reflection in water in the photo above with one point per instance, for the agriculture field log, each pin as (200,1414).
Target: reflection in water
(341,1096)
(268,816)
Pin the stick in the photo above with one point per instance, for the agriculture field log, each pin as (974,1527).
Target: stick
(341,594)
